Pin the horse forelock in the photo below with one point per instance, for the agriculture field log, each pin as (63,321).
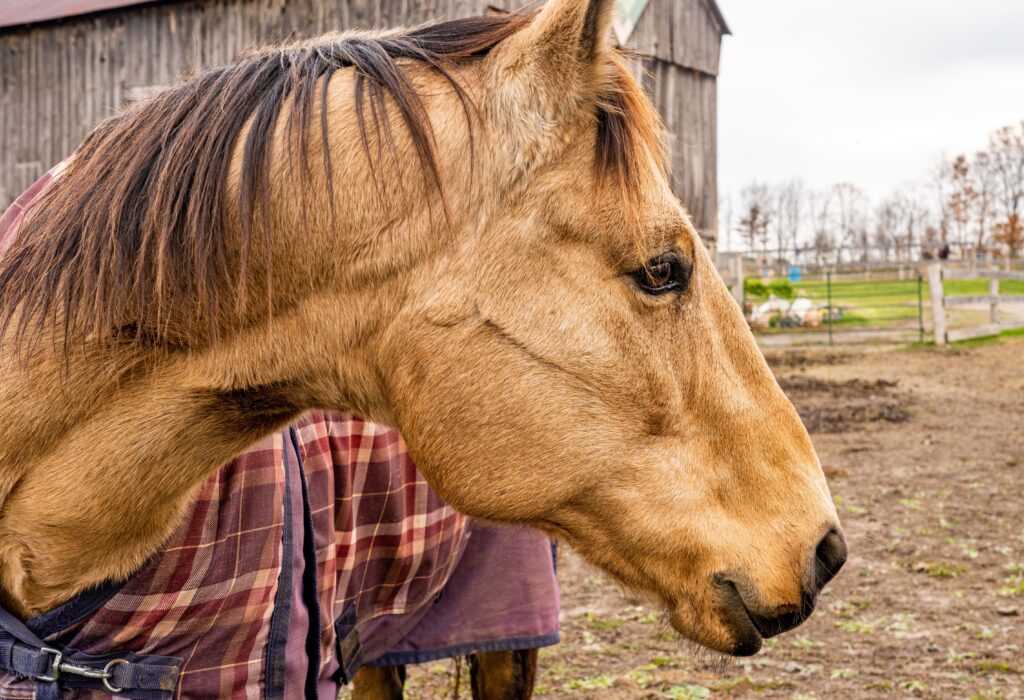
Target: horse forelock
(131,243)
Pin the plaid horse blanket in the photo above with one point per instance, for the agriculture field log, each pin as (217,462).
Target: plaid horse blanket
(318,550)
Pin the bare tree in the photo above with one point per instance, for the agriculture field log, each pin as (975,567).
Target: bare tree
(755,216)
(851,220)
(941,177)
(985,182)
(788,207)
(887,225)
(962,196)
(1006,148)
(913,216)
(820,218)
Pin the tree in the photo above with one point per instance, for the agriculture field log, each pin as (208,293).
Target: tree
(1011,234)
(962,196)
(913,216)
(788,207)
(756,216)
(985,183)
(1006,148)
(887,225)
(941,177)
(850,202)
(820,217)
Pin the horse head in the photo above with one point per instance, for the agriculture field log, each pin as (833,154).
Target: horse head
(573,360)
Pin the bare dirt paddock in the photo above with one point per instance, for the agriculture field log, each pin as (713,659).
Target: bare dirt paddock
(924,451)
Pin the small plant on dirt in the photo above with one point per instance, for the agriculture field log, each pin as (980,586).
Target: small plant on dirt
(645,617)
(955,657)
(805,642)
(901,624)
(591,684)
(687,692)
(603,623)
(966,549)
(1014,581)
(857,626)
(912,686)
(879,685)
(642,675)
(988,666)
(842,673)
(940,569)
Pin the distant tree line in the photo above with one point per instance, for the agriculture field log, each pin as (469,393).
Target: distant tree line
(968,206)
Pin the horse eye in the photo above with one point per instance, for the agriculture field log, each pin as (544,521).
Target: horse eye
(663,274)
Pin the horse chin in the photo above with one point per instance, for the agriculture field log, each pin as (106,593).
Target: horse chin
(729,633)
(726,627)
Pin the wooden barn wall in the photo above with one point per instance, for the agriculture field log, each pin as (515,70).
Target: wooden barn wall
(58,80)
(688,102)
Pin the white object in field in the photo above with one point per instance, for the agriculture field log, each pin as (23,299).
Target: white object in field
(773,306)
(801,307)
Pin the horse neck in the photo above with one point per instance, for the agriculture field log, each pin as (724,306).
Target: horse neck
(100,452)
(97,462)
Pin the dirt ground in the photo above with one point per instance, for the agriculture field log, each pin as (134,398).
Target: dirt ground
(924,452)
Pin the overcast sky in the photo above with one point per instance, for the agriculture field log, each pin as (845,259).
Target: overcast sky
(868,91)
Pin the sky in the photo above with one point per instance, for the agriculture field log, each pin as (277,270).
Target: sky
(867,91)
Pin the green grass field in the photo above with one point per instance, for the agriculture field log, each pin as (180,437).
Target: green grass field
(886,301)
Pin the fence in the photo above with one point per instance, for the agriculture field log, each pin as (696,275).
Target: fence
(850,304)
(836,307)
(938,275)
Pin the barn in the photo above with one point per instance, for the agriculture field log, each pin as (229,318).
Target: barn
(66,64)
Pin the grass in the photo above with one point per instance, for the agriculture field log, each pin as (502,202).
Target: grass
(896,291)
(974,342)
(883,301)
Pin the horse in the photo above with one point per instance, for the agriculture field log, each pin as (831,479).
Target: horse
(499,269)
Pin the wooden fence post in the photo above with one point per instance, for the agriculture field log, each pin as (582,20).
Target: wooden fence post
(993,291)
(737,275)
(938,307)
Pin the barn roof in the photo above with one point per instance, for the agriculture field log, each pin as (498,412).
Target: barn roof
(15,12)
(719,17)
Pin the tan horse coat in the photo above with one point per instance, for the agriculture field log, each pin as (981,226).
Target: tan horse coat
(486,274)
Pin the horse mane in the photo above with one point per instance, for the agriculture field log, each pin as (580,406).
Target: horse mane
(130,245)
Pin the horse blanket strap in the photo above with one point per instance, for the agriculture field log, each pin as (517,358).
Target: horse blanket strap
(127,675)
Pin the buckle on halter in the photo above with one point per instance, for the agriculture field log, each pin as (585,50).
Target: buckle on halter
(59,666)
(55,666)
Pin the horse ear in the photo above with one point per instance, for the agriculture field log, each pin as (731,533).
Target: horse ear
(559,60)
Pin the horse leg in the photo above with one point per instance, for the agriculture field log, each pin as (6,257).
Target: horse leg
(378,683)
(503,675)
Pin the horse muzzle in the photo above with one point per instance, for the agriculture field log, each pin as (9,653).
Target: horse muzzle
(751,623)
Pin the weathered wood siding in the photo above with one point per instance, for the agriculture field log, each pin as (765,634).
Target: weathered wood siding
(57,80)
(688,103)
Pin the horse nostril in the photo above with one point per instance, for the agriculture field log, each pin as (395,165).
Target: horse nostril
(829,558)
